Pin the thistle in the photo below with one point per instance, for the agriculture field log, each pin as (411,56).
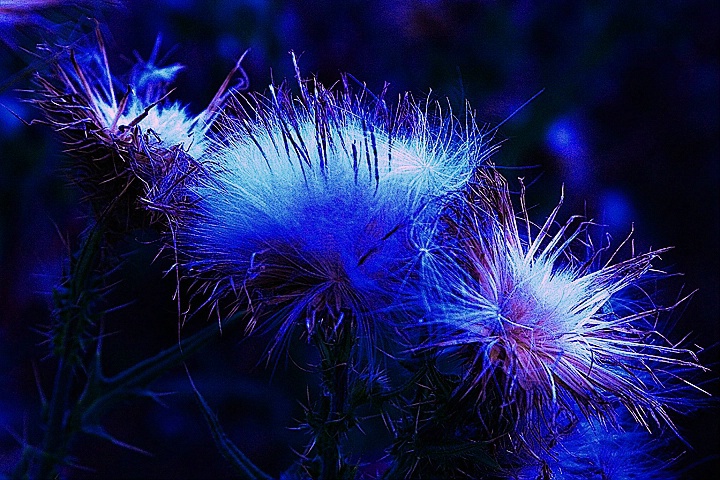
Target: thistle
(591,451)
(132,146)
(542,333)
(307,204)
(373,232)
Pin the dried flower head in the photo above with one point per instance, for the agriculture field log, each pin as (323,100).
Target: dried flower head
(304,214)
(128,145)
(542,332)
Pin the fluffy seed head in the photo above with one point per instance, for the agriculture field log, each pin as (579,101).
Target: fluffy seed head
(543,332)
(308,200)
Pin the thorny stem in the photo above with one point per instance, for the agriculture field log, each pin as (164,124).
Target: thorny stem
(332,417)
(100,393)
(56,438)
(59,433)
(73,321)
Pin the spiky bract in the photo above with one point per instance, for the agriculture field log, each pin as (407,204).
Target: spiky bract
(543,333)
(306,208)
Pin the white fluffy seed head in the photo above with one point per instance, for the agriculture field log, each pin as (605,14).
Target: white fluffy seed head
(140,103)
(308,202)
(542,330)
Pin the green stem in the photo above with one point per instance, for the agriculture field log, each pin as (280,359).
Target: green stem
(73,320)
(55,444)
(332,417)
(101,394)
(66,416)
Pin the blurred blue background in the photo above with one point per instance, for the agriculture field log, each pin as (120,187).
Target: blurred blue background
(627,122)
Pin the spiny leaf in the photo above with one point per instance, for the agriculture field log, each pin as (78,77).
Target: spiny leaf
(241,464)
(100,432)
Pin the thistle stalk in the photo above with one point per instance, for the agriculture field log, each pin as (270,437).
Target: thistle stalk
(102,393)
(74,320)
(75,324)
(333,414)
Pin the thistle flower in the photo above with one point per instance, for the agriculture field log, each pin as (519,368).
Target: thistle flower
(128,146)
(593,452)
(304,213)
(541,332)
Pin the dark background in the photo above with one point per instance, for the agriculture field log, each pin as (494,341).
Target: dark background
(627,121)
